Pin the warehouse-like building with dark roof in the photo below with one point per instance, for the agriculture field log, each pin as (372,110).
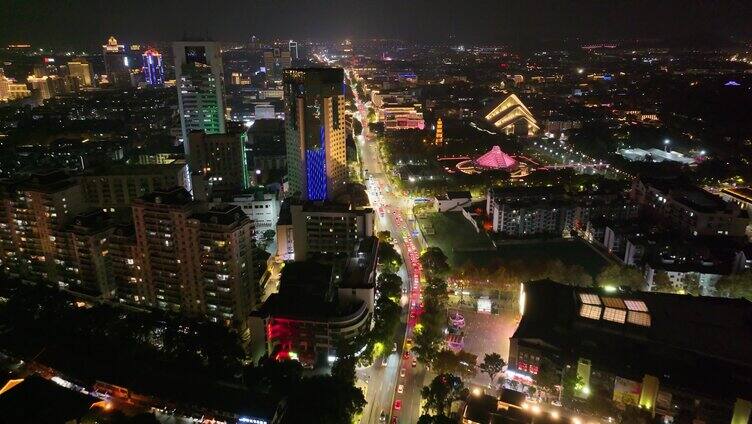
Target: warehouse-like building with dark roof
(668,353)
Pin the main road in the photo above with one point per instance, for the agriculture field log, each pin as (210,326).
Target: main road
(393,392)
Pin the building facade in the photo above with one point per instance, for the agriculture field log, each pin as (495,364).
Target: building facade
(119,185)
(328,230)
(275,62)
(262,208)
(219,159)
(152,68)
(199,79)
(80,69)
(689,209)
(34,210)
(116,63)
(315,131)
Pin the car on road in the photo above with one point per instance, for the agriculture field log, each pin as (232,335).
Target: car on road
(385,361)
(415,363)
(400,389)
(406,355)
(382,416)
(402,372)
(394,420)
(397,405)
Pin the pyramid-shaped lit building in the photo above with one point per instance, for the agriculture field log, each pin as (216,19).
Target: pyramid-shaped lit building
(493,160)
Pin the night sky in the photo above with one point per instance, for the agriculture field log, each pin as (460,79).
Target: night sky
(88,23)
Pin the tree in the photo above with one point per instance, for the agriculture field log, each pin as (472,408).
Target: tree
(436,289)
(548,377)
(340,404)
(735,285)
(492,365)
(389,285)
(467,363)
(427,344)
(435,419)
(387,318)
(616,275)
(269,235)
(635,415)
(371,115)
(389,259)
(441,392)
(276,378)
(692,284)
(434,262)
(662,283)
(446,362)
(571,382)
(384,236)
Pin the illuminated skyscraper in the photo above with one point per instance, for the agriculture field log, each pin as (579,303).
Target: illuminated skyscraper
(81,69)
(152,68)
(199,81)
(315,131)
(275,62)
(293,48)
(116,63)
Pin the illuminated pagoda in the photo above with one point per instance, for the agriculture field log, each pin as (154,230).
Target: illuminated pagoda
(512,117)
(439,132)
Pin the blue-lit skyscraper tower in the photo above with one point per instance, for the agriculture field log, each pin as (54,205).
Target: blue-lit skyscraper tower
(315,131)
(152,68)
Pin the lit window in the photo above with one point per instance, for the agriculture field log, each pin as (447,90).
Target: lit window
(615,315)
(639,318)
(636,305)
(613,302)
(590,299)
(590,311)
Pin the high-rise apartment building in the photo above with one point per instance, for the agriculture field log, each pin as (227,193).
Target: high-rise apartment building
(33,210)
(81,70)
(275,62)
(167,250)
(82,258)
(126,263)
(195,261)
(152,68)
(315,131)
(224,263)
(116,63)
(219,159)
(199,80)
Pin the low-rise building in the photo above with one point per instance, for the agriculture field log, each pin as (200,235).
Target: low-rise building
(452,200)
(402,117)
(689,208)
(316,306)
(325,229)
(261,207)
(639,348)
(531,211)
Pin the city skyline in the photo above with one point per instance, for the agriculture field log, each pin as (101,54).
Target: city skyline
(480,21)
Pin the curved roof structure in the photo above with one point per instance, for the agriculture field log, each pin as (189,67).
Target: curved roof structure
(495,159)
(511,111)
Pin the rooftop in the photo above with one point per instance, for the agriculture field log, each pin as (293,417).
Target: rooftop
(634,333)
